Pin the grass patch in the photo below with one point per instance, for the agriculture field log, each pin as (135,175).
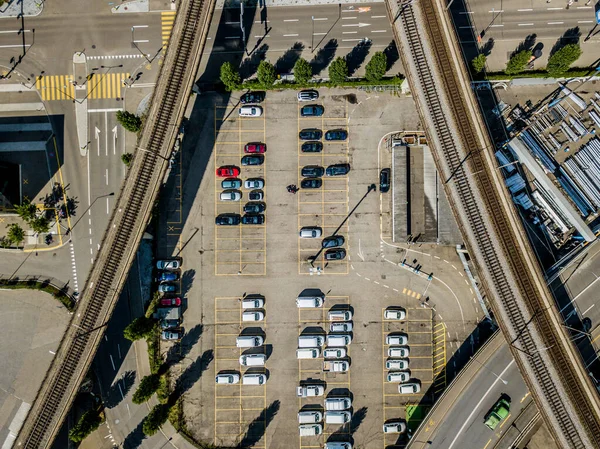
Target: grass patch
(163,389)
(254,84)
(154,356)
(415,415)
(44,286)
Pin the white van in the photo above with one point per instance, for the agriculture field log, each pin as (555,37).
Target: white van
(254,379)
(338,341)
(339,315)
(304,302)
(398,376)
(338,403)
(308,353)
(253,316)
(248,341)
(252,302)
(310,430)
(310,341)
(398,351)
(310,417)
(337,417)
(253,360)
(396,339)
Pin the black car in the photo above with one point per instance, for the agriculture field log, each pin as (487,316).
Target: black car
(252,97)
(311,183)
(311,134)
(312,171)
(256,195)
(227,220)
(256,159)
(335,254)
(254,208)
(336,134)
(169,324)
(384,180)
(253,219)
(332,241)
(312,147)
(337,170)
(312,110)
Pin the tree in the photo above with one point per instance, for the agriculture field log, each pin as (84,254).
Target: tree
(15,234)
(139,328)
(302,71)
(126,158)
(129,121)
(88,422)
(230,77)
(148,386)
(338,70)
(27,211)
(40,225)
(561,60)
(266,73)
(517,62)
(478,63)
(156,418)
(376,67)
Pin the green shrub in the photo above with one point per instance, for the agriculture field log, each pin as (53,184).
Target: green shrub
(338,71)
(139,328)
(376,67)
(126,158)
(147,387)
(156,418)
(40,224)
(561,60)
(88,422)
(517,62)
(478,63)
(230,77)
(15,234)
(266,73)
(129,121)
(302,71)
(27,210)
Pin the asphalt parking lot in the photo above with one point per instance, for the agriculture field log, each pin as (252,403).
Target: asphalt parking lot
(270,259)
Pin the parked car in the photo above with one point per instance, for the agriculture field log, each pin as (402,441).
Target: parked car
(310,232)
(308,95)
(258,159)
(341,327)
(252,97)
(409,388)
(311,183)
(255,147)
(231,195)
(384,180)
(254,208)
(334,353)
(398,351)
(168,264)
(394,427)
(256,195)
(332,241)
(336,134)
(310,134)
(335,254)
(172,334)
(253,316)
(312,110)
(170,302)
(169,324)
(254,183)
(166,287)
(312,171)
(250,111)
(399,364)
(396,339)
(398,376)
(253,219)
(228,171)
(337,170)
(253,302)
(167,276)
(311,147)
(228,220)
(227,379)
(231,183)
(394,313)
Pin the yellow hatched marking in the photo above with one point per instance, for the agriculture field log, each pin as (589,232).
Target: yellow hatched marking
(167,20)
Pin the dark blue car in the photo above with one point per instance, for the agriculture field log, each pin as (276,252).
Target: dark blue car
(312,110)
(336,134)
(167,276)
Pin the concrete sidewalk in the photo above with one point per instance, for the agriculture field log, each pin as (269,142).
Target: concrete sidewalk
(14,8)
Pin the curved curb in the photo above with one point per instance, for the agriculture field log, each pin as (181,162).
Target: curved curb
(13,9)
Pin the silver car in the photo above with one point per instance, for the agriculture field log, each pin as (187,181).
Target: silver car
(254,183)
(311,232)
(250,111)
(231,195)
(341,327)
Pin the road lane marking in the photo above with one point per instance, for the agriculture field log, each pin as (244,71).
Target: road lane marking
(496,26)
(321,18)
(346,18)
(585,21)
(232,37)
(525,24)
(290,35)
(290,20)
(526,9)
(379,31)
(349,32)
(555,23)
(378,17)
(588,309)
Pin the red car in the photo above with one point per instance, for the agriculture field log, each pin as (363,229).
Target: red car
(228,171)
(170,302)
(255,148)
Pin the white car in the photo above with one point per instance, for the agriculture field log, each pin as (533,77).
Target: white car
(168,264)
(253,359)
(254,183)
(253,316)
(310,232)
(398,351)
(341,327)
(250,111)
(393,364)
(334,353)
(252,302)
(231,195)
(409,388)
(227,379)
(398,376)
(394,313)
(396,339)
(394,427)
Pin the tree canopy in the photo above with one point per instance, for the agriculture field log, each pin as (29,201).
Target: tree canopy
(302,71)
(561,60)
(266,73)
(230,77)
(129,121)
(338,70)
(517,62)
(376,67)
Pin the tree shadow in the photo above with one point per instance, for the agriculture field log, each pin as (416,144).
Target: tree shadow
(181,350)
(119,389)
(135,437)
(191,375)
(392,55)
(258,427)
(527,44)
(486,49)
(324,56)
(357,56)
(571,36)
(249,65)
(286,62)
(187,280)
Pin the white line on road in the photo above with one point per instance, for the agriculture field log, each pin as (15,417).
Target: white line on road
(119,349)
(585,21)
(12,31)
(467,26)
(351,40)
(106,176)
(496,26)
(107,208)
(232,37)
(261,21)
(525,24)
(349,32)
(378,17)
(141,41)
(579,294)
(554,9)
(268,35)
(52,352)
(555,23)
(290,35)
(378,31)
(584,7)
(321,18)
(466,12)
(14,46)
(122,397)
(139,26)
(290,20)
(232,23)
(105,110)
(112,362)
(588,309)
(524,10)
(348,18)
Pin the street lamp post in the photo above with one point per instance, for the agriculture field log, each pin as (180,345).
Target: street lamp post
(154,153)
(89,207)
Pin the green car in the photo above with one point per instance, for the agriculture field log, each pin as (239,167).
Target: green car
(497,414)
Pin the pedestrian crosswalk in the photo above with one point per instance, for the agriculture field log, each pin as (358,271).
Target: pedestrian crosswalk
(98,86)
(167,19)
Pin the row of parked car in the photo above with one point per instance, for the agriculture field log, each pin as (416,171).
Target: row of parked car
(169,311)
(231,185)
(398,351)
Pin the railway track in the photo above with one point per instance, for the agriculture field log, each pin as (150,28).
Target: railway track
(523,315)
(124,232)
